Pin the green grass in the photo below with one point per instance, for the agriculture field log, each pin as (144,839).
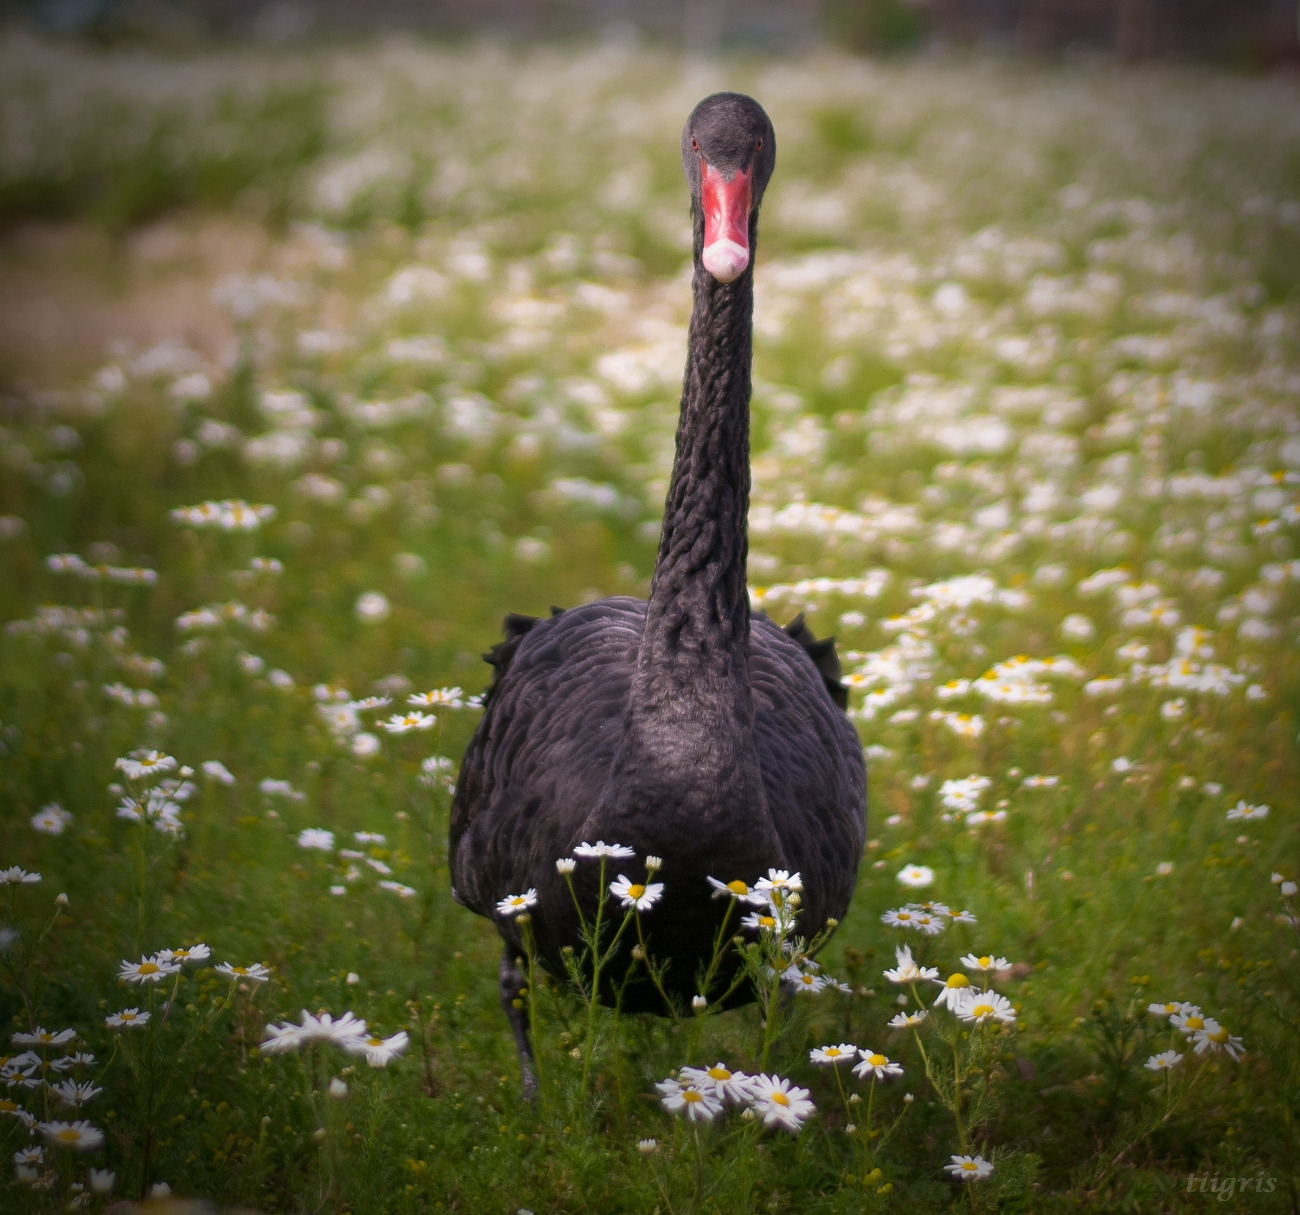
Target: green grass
(1013,322)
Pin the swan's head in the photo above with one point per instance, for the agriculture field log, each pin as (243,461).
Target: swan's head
(728,153)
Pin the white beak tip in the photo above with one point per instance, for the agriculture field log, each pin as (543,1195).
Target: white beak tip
(725,260)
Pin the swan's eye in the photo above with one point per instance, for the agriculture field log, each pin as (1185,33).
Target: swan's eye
(695,143)
(758,145)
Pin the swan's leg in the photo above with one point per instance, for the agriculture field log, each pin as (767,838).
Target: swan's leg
(513,985)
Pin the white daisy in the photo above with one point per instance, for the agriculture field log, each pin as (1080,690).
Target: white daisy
(829,1056)
(14,876)
(877,1066)
(907,1020)
(969,1168)
(695,1103)
(516,904)
(254,971)
(147,970)
(779,1103)
(380,1052)
(636,894)
(780,879)
(317,838)
(907,970)
(187,953)
(1163,1061)
(144,764)
(916,876)
(128,1018)
(980,1006)
(1214,1037)
(401,723)
(80,1134)
(984,962)
(616,852)
(41,1036)
(72,1093)
(739,891)
(52,819)
(720,1080)
(1243,811)
(954,989)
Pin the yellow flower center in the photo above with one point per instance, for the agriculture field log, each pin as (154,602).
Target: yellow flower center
(374,1041)
(957,981)
(689,1094)
(982,1010)
(148,968)
(970,1166)
(240,970)
(833,1052)
(807,979)
(780,1098)
(128,1016)
(46,1036)
(738,888)
(8,1106)
(984,961)
(69,1134)
(767,921)
(1219,1035)
(877,1060)
(904,915)
(636,890)
(718,1073)
(1195,1023)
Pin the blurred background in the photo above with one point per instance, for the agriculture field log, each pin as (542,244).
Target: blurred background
(1247,32)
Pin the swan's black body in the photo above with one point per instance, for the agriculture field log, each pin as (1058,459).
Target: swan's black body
(680,726)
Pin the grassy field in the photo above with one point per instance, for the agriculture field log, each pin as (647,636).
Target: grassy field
(1026,440)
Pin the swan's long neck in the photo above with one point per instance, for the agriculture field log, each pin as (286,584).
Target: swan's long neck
(697,622)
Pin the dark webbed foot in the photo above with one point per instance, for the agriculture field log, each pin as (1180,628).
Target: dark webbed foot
(513,985)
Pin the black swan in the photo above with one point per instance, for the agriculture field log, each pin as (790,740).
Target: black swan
(682,727)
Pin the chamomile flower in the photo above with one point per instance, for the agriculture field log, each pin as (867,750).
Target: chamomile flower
(402,723)
(959,917)
(41,1036)
(255,972)
(1163,1061)
(954,989)
(899,918)
(565,864)
(128,1018)
(762,920)
(636,894)
(30,1156)
(316,838)
(928,923)
(691,1101)
(52,819)
(739,891)
(15,876)
(144,765)
(15,1110)
(969,1168)
(916,875)
(1168,1010)
(805,981)
(780,1103)
(829,1056)
(1214,1037)
(985,962)
(725,1084)
(147,970)
(516,904)
(907,971)
(79,1135)
(614,852)
(72,1093)
(876,1066)
(379,1052)
(976,1007)
(779,880)
(1243,811)
(187,953)
(907,1020)
(1189,1019)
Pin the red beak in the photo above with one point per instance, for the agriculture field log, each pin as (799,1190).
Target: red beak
(726,221)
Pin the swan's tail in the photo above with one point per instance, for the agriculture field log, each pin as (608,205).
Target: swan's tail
(824,658)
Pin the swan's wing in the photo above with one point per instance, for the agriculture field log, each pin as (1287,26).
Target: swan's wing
(813,769)
(541,754)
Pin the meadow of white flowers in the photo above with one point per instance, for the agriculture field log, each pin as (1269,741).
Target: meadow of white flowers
(1026,439)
